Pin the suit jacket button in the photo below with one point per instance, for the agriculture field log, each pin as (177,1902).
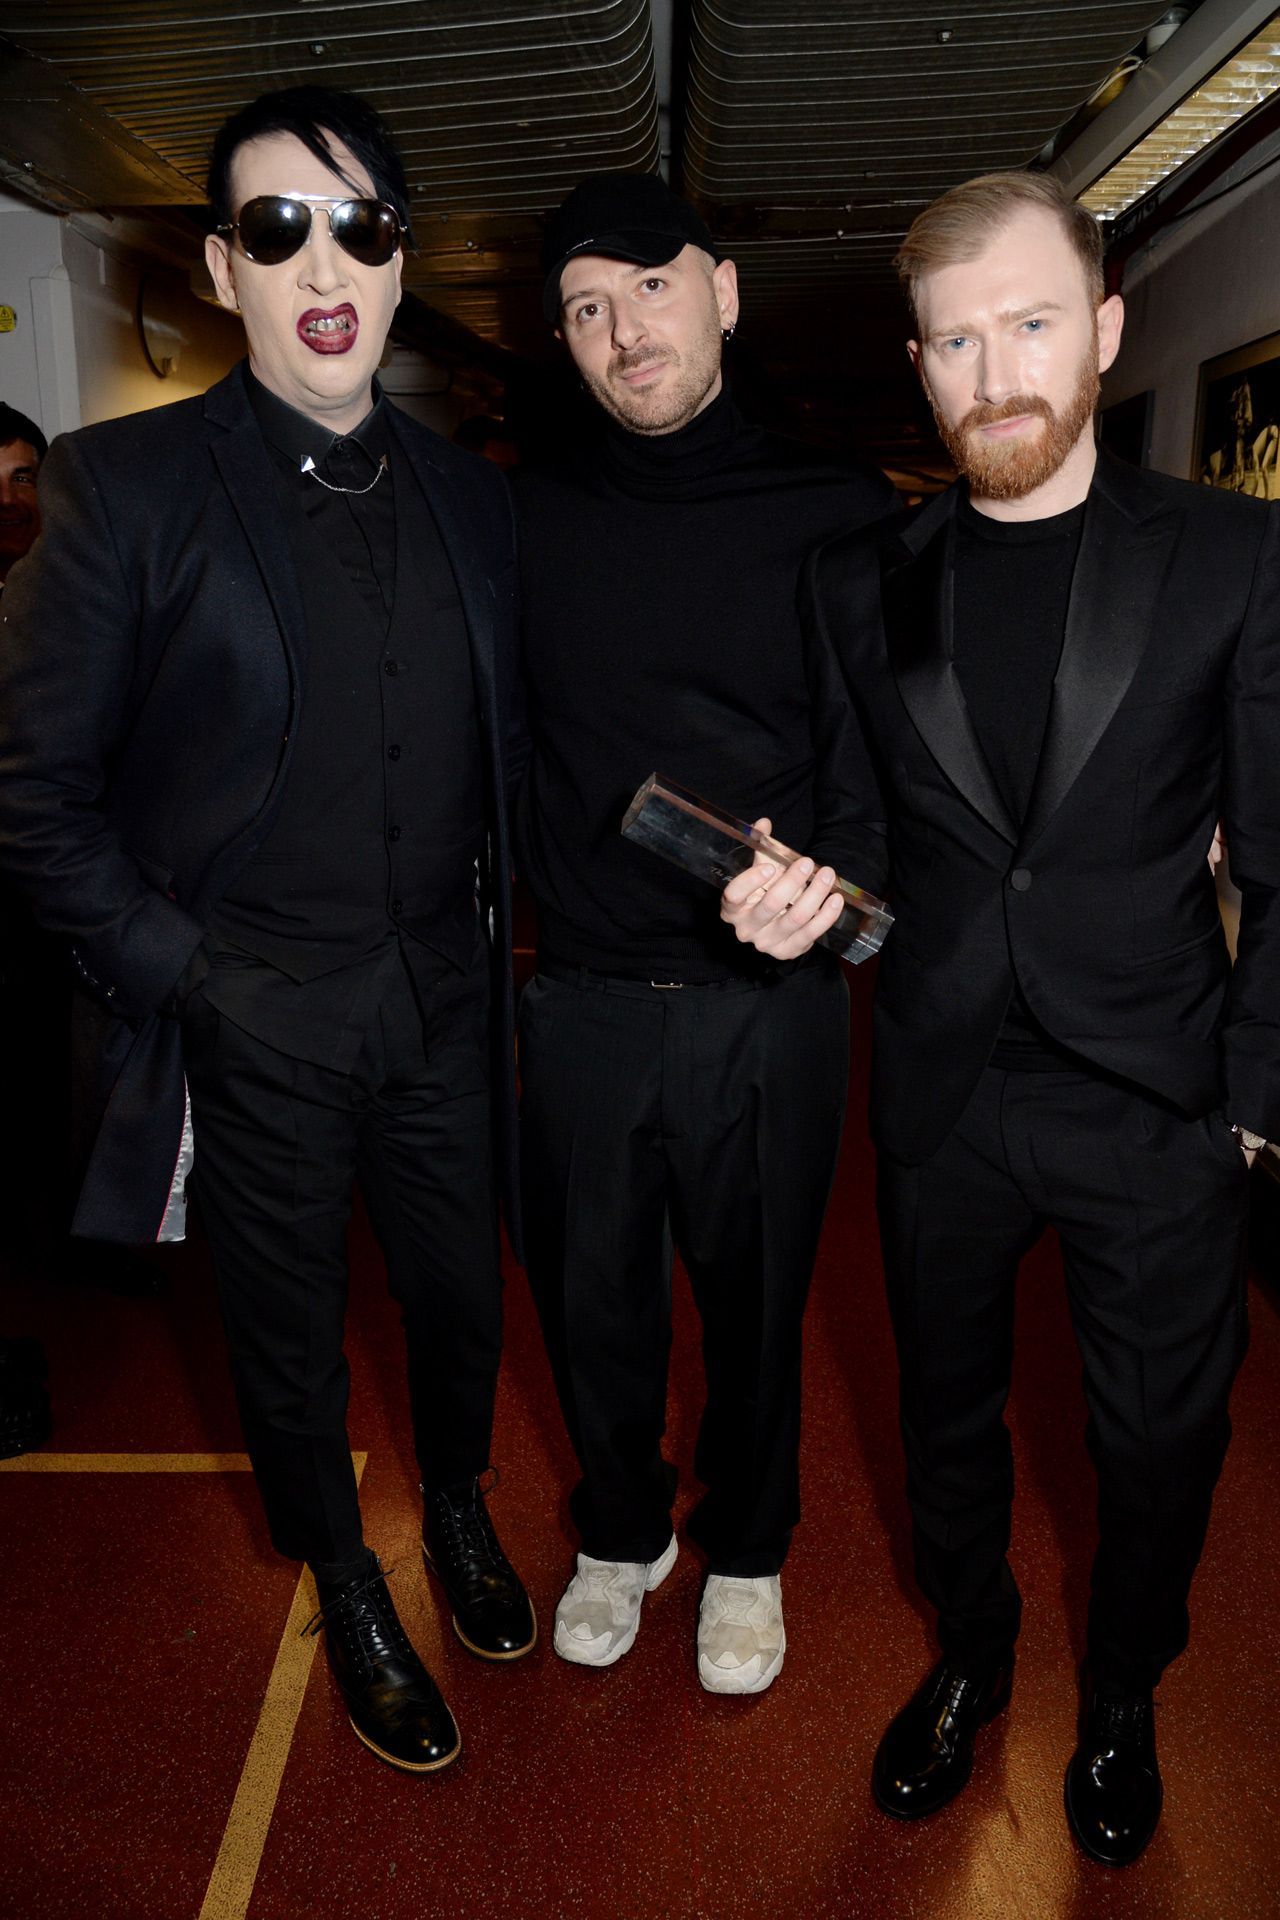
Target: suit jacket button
(1020,879)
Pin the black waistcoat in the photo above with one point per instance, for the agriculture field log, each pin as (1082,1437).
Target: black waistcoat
(381,821)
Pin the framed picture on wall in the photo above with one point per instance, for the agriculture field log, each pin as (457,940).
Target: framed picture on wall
(1238,422)
(1125,428)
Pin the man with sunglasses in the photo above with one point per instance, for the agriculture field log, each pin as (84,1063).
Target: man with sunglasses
(253,767)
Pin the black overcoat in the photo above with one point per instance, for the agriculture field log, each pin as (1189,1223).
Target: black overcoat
(152,667)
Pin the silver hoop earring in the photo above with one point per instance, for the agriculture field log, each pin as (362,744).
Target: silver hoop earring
(727,333)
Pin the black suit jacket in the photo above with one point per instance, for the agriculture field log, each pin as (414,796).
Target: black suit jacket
(1165,714)
(152,667)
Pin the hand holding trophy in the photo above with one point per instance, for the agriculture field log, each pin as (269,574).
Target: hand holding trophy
(773,897)
(783,910)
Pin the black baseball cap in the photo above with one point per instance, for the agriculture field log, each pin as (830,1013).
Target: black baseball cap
(625,216)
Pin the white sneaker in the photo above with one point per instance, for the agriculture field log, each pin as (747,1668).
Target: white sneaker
(599,1612)
(741,1638)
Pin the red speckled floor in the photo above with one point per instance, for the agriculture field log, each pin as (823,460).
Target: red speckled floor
(142,1614)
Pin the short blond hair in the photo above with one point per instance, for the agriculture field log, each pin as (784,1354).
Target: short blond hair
(966,218)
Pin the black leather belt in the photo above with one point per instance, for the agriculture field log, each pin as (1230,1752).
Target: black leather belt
(579,976)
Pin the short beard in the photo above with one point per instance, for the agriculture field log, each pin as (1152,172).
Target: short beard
(667,409)
(1011,469)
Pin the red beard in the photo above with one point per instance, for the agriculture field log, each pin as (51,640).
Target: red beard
(1011,469)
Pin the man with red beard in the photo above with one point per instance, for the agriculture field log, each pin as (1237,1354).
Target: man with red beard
(1058,672)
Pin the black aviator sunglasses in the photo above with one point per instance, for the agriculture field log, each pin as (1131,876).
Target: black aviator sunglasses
(274,226)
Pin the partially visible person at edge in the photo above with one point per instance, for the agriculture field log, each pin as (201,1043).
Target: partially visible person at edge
(677,1091)
(22,448)
(1058,673)
(33,1010)
(256,678)
(24,1402)
(35,982)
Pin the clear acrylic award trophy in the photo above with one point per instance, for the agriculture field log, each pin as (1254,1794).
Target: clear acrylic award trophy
(714,845)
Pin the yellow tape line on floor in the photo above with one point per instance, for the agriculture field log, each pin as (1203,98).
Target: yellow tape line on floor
(128,1463)
(235,1870)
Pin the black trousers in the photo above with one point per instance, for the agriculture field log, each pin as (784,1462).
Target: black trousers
(1151,1212)
(708,1117)
(279,1144)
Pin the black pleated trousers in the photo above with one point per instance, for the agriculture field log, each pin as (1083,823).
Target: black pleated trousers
(1150,1209)
(279,1143)
(701,1117)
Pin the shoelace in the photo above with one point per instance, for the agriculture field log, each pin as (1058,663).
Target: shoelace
(951,1689)
(469,1525)
(1121,1717)
(346,1602)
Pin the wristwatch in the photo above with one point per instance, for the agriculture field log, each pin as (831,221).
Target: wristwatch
(1251,1142)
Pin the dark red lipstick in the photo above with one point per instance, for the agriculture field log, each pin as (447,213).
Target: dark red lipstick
(329,329)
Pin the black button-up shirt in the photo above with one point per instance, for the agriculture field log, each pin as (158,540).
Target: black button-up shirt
(358,527)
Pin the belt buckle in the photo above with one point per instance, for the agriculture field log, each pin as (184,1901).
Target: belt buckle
(668,986)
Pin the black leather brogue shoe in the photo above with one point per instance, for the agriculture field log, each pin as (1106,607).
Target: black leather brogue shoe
(926,1755)
(492,1614)
(1113,1788)
(394,1704)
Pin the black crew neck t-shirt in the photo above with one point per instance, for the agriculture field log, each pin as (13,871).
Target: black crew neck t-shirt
(1012,587)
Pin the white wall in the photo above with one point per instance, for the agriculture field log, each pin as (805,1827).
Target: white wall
(1204,287)
(112,369)
(37,359)
(424,390)
(74,356)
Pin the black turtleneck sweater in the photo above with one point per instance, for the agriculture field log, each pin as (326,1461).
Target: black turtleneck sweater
(660,631)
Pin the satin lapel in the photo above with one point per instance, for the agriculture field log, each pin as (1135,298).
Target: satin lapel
(1114,592)
(917,598)
(245,466)
(474,589)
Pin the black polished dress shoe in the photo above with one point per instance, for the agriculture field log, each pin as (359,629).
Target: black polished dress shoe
(394,1704)
(1113,1790)
(926,1755)
(492,1614)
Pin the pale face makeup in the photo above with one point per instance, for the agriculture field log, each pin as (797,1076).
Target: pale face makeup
(316,324)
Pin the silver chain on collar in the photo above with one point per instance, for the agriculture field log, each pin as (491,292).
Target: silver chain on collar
(309,466)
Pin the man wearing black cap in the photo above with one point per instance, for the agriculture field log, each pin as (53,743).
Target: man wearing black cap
(676,1089)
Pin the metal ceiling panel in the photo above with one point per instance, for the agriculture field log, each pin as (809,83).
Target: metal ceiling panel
(57,147)
(808,131)
(815,130)
(498,107)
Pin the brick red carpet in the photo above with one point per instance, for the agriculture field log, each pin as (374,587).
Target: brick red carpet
(143,1612)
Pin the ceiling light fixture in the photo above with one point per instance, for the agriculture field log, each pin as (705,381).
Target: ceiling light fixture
(1242,83)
